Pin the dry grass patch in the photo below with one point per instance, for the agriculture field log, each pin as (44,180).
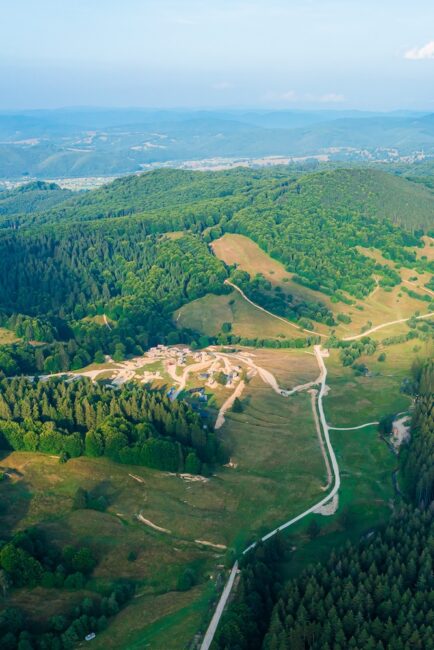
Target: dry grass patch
(241,250)
(7,337)
(290,367)
(207,315)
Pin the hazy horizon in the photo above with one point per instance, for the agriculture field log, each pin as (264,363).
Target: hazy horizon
(398,110)
(303,54)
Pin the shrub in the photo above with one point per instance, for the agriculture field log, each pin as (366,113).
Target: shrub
(186,580)
(237,406)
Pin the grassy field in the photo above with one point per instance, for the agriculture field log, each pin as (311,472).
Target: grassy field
(366,463)
(289,368)
(6,336)
(365,498)
(277,470)
(428,249)
(241,250)
(207,315)
(379,307)
(370,396)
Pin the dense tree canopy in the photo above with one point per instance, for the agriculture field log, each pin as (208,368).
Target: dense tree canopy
(129,425)
(137,249)
(418,458)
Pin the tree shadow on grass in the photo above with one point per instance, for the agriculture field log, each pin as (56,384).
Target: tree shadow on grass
(15,497)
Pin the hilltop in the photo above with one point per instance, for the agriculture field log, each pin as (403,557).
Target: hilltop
(366,192)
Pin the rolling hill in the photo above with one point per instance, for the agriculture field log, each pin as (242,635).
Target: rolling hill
(112,252)
(65,143)
(199,297)
(365,192)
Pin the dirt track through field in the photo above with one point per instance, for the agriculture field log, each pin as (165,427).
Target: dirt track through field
(355,337)
(228,404)
(313,396)
(284,320)
(380,327)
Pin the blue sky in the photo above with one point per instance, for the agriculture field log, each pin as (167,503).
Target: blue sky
(259,53)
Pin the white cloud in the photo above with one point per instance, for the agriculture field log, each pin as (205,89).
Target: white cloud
(291,96)
(331,98)
(421,53)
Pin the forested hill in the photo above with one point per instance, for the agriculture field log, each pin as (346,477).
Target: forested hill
(374,193)
(151,191)
(138,249)
(32,197)
(358,191)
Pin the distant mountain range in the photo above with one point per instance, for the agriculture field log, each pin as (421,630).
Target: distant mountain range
(103,142)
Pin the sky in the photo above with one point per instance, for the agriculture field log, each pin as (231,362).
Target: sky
(296,54)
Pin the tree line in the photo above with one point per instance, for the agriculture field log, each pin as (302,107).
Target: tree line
(418,458)
(128,425)
(376,594)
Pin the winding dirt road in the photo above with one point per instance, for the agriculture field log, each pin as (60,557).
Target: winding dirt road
(380,327)
(355,337)
(284,320)
(413,284)
(228,404)
(361,426)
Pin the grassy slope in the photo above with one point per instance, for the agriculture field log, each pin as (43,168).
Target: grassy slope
(240,250)
(365,461)
(371,396)
(6,336)
(428,250)
(366,493)
(377,308)
(207,315)
(280,470)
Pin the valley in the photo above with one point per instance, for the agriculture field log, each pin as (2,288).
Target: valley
(186,368)
(254,491)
